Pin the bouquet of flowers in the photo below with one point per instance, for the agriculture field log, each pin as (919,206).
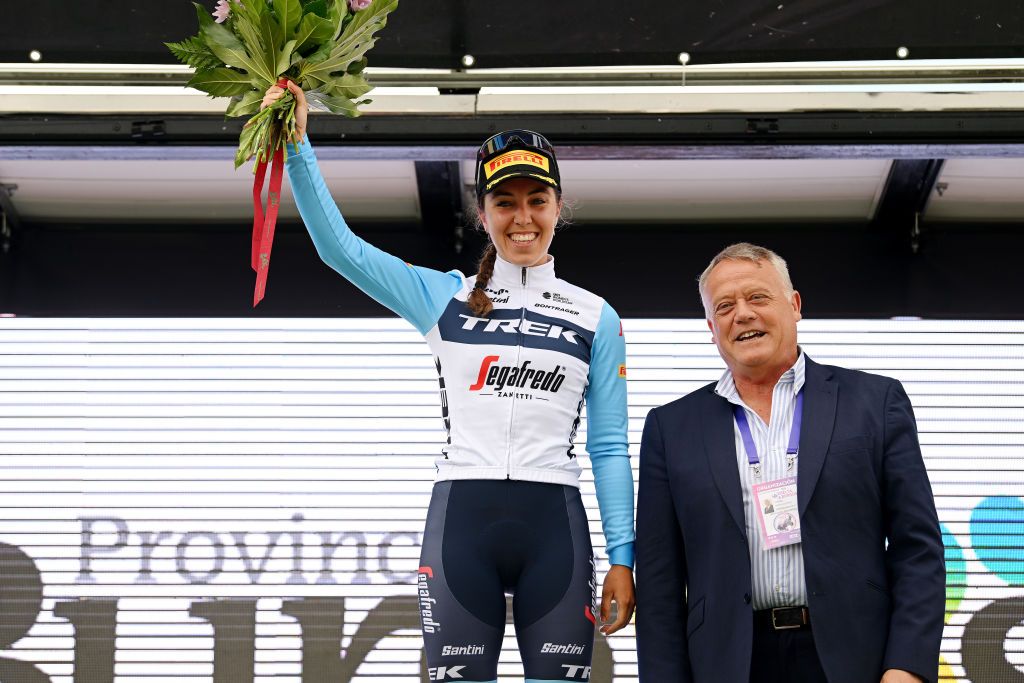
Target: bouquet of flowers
(246,46)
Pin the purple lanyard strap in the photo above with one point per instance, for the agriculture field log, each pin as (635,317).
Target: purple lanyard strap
(748,439)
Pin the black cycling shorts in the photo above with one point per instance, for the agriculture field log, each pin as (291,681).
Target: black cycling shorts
(486,538)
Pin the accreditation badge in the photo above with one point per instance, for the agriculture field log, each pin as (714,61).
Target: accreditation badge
(777,510)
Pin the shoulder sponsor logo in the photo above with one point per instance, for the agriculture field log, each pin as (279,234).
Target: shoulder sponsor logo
(622,371)
(501,378)
(461,650)
(556,308)
(497,296)
(557,298)
(518,157)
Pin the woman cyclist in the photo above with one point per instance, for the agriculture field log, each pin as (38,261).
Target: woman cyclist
(517,350)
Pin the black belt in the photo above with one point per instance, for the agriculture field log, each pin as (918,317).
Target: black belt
(783,618)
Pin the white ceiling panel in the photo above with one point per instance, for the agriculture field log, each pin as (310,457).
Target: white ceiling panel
(201,190)
(979,190)
(722,190)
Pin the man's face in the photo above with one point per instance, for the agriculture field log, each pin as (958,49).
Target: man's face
(751,317)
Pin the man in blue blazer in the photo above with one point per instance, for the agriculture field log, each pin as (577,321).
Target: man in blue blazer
(786,530)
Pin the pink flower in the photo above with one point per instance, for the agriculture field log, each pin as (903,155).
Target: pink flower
(222,11)
(356,5)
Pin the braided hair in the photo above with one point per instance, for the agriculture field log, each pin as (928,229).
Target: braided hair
(478,301)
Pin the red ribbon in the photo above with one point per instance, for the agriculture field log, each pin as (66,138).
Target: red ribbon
(263,223)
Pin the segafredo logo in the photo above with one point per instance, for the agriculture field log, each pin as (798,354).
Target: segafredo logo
(426,603)
(502,378)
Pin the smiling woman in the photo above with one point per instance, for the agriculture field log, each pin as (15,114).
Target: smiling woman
(517,351)
(519,200)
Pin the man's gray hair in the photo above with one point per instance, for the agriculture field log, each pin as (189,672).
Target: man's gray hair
(746,251)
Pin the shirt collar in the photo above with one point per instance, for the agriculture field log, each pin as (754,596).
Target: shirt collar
(509,272)
(795,375)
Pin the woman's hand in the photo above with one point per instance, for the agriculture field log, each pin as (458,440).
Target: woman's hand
(276,92)
(618,588)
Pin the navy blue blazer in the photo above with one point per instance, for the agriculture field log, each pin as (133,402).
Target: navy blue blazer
(872,549)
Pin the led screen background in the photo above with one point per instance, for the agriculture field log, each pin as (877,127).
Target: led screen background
(235,500)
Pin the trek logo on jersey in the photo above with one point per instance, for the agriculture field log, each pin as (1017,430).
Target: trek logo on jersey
(516,325)
(518,157)
(461,650)
(502,377)
(440,673)
(577,671)
(567,649)
(426,602)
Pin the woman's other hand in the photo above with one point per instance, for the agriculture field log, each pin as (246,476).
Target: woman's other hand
(618,588)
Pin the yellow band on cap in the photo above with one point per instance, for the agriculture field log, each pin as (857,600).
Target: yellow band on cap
(547,179)
(516,157)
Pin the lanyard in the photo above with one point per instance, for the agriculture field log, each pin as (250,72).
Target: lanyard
(748,439)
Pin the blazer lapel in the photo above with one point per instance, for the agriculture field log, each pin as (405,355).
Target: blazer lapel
(720,448)
(816,430)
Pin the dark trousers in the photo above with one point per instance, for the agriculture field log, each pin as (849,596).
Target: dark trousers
(784,656)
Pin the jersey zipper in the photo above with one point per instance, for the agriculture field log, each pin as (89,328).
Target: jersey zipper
(519,350)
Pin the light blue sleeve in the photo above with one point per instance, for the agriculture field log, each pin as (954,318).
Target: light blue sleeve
(607,437)
(419,295)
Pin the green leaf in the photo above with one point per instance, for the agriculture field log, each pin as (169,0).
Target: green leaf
(195,53)
(222,82)
(246,23)
(246,104)
(259,33)
(317,7)
(231,51)
(336,105)
(322,54)
(313,30)
(274,38)
(366,22)
(205,18)
(349,86)
(337,13)
(289,12)
(255,137)
(284,58)
(356,68)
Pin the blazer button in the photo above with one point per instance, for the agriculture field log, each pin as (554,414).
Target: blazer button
(746,598)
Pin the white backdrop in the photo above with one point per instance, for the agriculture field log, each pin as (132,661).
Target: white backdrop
(152,466)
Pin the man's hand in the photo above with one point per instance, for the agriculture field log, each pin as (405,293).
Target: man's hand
(276,92)
(900,676)
(618,588)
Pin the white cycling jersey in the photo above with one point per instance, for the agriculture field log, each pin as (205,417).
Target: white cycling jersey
(513,383)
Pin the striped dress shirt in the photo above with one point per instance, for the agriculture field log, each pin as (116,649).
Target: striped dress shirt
(777,575)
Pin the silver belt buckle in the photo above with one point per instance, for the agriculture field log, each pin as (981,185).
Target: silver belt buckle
(775,625)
